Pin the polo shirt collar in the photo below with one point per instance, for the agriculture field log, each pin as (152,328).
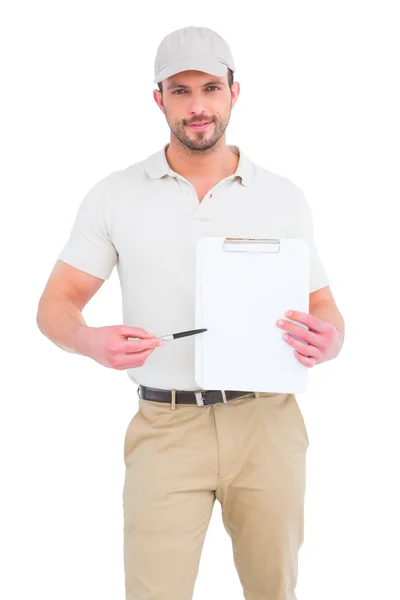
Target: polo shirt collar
(157,165)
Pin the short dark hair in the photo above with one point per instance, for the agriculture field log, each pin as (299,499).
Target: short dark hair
(230,81)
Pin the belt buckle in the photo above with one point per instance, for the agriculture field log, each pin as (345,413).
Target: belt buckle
(200,397)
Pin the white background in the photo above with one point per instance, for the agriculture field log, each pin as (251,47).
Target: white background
(319,104)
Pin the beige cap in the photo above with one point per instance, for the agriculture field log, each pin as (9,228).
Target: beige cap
(192,48)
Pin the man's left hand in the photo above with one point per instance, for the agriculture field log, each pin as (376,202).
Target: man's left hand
(322,340)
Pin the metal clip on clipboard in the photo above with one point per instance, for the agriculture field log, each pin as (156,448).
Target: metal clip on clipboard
(253,245)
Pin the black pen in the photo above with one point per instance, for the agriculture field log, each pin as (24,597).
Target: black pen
(173,336)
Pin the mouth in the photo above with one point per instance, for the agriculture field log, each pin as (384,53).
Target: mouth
(200,126)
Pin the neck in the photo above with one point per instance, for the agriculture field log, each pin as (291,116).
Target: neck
(212,164)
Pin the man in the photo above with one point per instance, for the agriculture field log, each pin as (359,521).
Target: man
(246,448)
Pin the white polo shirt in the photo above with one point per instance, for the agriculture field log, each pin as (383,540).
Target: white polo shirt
(146,219)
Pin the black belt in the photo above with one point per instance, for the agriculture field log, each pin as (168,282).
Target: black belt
(202,397)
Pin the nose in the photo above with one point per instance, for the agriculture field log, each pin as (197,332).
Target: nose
(197,107)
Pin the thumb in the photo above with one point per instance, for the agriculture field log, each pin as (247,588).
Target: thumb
(135,332)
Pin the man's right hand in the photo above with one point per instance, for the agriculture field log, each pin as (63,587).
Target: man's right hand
(111,347)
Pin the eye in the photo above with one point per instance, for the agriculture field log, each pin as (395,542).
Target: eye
(210,86)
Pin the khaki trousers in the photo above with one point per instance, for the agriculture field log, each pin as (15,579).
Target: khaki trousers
(249,454)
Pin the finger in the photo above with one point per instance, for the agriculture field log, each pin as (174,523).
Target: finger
(139,345)
(301,347)
(133,360)
(316,339)
(304,360)
(312,322)
(136,332)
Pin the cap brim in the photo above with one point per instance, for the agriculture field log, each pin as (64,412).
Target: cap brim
(206,65)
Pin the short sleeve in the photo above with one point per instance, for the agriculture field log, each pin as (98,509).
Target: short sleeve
(303,228)
(89,247)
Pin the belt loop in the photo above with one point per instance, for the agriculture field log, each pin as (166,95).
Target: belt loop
(173,403)
(257,394)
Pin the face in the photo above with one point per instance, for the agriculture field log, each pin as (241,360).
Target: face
(193,97)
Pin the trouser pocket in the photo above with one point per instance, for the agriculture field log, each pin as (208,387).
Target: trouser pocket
(130,432)
(300,419)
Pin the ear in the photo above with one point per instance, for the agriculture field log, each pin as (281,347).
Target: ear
(235,92)
(158,99)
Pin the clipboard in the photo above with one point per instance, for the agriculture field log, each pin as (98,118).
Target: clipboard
(243,286)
